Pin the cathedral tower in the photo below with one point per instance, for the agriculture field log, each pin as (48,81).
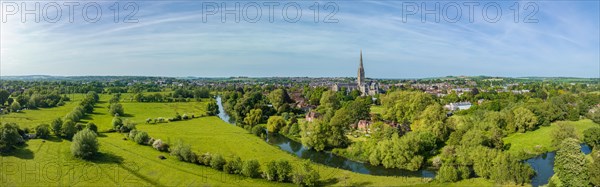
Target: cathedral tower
(361,73)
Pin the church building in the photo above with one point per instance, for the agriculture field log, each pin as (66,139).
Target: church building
(363,85)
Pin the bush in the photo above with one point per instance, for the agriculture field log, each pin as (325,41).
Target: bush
(79,126)
(205,159)
(183,152)
(85,144)
(294,129)
(275,123)
(306,175)
(185,117)
(217,161)
(233,166)
(132,134)
(271,172)
(284,171)
(591,136)
(160,145)
(117,122)
(116,109)
(9,137)
(68,129)
(141,138)
(92,127)
(42,131)
(251,168)
(258,130)
(56,126)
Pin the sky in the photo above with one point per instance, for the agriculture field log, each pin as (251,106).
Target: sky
(398,39)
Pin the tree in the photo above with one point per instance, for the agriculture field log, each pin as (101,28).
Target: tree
(212,109)
(432,119)
(594,168)
(251,168)
(280,99)
(85,144)
(3,96)
(117,123)
(57,126)
(404,106)
(141,138)
(253,118)
(233,166)
(562,132)
(9,137)
(570,164)
(92,127)
(284,171)
(314,135)
(217,162)
(15,106)
(116,109)
(447,173)
(591,136)
(275,123)
(271,171)
(68,129)
(523,120)
(42,131)
(306,175)
(594,114)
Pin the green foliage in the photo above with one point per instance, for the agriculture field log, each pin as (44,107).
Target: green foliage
(3,96)
(15,106)
(85,145)
(432,119)
(68,129)
(447,173)
(57,126)
(116,109)
(217,162)
(404,152)
(183,152)
(562,132)
(253,118)
(329,100)
(271,170)
(523,120)
(275,123)
(9,137)
(315,135)
(234,165)
(141,138)
(42,131)
(251,168)
(280,100)
(212,109)
(92,127)
(594,168)
(570,164)
(591,136)
(404,106)
(284,171)
(258,130)
(594,114)
(306,175)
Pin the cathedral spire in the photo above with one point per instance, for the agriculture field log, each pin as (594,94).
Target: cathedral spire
(361,74)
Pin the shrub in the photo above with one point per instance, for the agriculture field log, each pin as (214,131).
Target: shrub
(9,137)
(132,134)
(217,161)
(116,109)
(149,120)
(141,138)
(183,152)
(271,172)
(79,126)
(42,131)
(68,129)
(275,123)
(85,144)
(294,129)
(92,127)
(233,166)
(160,146)
(306,175)
(284,171)
(258,130)
(117,122)
(205,159)
(185,117)
(251,168)
(56,126)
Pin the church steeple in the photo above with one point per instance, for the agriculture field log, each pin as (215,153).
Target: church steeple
(361,72)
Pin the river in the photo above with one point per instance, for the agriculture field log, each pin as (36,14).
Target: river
(542,164)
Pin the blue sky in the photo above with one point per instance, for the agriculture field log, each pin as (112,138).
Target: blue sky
(171,39)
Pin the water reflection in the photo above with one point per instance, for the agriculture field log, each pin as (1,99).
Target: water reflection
(544,166)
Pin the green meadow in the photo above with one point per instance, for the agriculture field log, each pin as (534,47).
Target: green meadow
(541,139)
(124,163)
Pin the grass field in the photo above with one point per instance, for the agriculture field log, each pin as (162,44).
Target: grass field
(376,109)
(543,136)
(124,163)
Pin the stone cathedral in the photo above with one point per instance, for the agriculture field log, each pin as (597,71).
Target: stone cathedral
(362,84)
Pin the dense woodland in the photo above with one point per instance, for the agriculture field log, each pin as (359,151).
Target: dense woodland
(412,131)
